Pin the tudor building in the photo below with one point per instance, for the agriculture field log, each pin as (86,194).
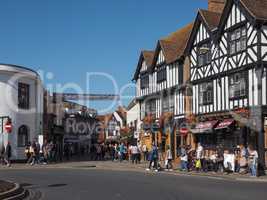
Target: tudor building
(228,60)
(159,79)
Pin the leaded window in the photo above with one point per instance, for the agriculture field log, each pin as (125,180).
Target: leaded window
(161,74)
(204,54)
(237,40)
(206,93)
(23,96)
(237,86)
(144,81)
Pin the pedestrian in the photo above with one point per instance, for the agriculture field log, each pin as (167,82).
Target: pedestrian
(112,152)
(134,154)
(200,156)
(145,152)
(67,151)
(243,162)
(253,161)
(8,154)
(98,152)
(37,153)
(184,159)
(2,154)
(153,158)
(168,159)
(122,150)
(27,152)
(33,151)
(139,148)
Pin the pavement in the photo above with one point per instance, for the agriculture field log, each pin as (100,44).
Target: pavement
(115,181)
(127,166)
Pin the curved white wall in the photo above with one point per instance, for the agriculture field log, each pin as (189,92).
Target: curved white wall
(10,76)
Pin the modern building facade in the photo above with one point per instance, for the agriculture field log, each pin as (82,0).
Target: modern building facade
(22,103)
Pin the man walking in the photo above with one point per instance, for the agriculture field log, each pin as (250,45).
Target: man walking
(154,158)
(144,150)
(8,154)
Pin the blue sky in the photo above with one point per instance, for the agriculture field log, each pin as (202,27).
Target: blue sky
(72,37)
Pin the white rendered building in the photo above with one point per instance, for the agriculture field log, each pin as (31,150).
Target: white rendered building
(22,101)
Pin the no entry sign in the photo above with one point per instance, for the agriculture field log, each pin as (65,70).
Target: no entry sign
(8,127)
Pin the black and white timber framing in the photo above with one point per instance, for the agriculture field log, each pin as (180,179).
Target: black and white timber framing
(223,64)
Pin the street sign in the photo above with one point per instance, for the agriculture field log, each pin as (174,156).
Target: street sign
(8,128)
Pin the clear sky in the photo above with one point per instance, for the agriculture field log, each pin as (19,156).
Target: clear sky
(70,38)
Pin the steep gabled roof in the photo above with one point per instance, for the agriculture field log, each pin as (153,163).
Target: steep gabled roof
(212,19)
(173,45)
(257,8)
(147,56)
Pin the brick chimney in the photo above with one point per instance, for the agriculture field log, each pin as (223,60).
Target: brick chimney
(216,5)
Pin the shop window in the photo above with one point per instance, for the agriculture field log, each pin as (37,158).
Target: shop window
(207,140)
(23,136)
(161,74)
(204,55)
(206,93)
(237,86)
(237,40)
(144,81)
(23,96)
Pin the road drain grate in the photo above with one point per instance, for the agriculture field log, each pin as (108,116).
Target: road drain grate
(57,185)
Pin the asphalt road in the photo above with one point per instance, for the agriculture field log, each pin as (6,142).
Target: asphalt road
(64,184)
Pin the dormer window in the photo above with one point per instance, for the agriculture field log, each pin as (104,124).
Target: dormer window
(204,55)
(161,74)
(237,40)
(144,81)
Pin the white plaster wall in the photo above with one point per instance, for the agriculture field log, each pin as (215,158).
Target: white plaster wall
(10,76)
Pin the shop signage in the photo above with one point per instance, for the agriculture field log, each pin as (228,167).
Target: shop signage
(225,124)
(206,125)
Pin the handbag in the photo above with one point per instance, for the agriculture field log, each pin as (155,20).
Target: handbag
(198,164)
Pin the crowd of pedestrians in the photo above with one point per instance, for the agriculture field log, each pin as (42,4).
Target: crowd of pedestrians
(239,160)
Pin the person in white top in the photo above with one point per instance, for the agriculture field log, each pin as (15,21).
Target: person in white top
(168,159)
(253,161)
(145,152)
(134,153)
(200,151)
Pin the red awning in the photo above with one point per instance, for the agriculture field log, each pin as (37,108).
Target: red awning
(205,126)
(225,124)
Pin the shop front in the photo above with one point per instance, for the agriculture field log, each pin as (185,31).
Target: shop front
(226,132)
